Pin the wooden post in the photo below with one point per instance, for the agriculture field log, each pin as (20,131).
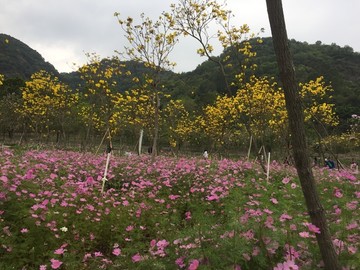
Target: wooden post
(248,155)
(140,141)
(268,168)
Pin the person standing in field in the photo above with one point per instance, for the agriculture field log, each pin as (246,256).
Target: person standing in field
(205,154)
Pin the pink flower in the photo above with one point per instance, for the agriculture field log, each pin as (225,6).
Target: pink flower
(59,251)
(24,230)
(180,262)
(352,249)
(116,251)
(351,226)
(129,228)
(304,234)
(313,228)
(162,244)
(173,197)
(352,205)
(55,264)
(194,265)
(188,215)
(274,201)
(42,267)
(285,180)
(288,265)
(136,258)
(212,197)
(338,193)
(98,254)
(285,217)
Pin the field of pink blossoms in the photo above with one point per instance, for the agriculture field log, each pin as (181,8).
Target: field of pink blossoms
(175,213)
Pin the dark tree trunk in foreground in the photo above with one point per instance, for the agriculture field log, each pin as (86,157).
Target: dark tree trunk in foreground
(297,129)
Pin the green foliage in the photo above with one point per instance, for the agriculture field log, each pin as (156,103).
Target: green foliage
(18,60)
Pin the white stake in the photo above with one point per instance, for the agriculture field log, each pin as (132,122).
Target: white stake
(140,141)
(248,155)
(104,179)
(268,168)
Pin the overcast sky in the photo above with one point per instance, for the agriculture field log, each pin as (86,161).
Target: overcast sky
(62,31)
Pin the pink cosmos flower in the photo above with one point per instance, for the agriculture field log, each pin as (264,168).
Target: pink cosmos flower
(136,258)
(351,226)
(352,249)
(188,215)
(288,265)
(4,179)
(352,205)
(285,180)
(98,254)
(129,228)
(304,234)
(180,262)
(24,230)
(116,251)
(173,197)
(55,264)
(59,251)
(274,201)
(313,228)
(338,193)
(212,197)
(194,265)
(285,217)
(42,267)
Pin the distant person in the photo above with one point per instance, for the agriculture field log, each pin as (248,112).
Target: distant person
(329,163)
(205,154)
(354,166)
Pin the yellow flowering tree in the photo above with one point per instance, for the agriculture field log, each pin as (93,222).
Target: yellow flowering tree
(47,102)
(178,123)
(137,110)
(314,94)
(261,107)
(220,121)
(101,100)
(151,43)
(193,18)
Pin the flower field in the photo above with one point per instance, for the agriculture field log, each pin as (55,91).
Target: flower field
(176,213)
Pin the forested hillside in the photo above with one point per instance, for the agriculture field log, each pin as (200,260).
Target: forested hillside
(18,60)
(340,67)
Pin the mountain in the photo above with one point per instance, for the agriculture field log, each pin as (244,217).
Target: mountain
(18,60)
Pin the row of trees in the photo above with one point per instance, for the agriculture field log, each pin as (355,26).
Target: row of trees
(46,106)
(251,106)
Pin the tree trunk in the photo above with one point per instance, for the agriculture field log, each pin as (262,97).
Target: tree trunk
(156,127)
(297,128)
